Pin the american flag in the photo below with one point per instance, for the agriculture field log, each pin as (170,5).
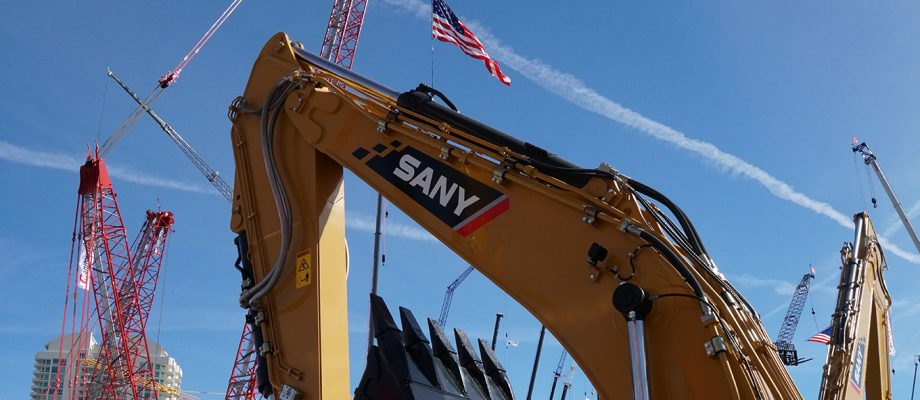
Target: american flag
(446,27)
(823,337)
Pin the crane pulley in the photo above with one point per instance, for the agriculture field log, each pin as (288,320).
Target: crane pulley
(870,159)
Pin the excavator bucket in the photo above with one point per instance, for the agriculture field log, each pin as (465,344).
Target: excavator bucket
(405,365)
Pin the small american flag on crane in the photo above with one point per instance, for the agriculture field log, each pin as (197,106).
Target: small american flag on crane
(446,27)
(823,337)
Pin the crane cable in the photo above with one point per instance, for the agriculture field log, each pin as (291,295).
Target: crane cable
(167,80)
(171,76)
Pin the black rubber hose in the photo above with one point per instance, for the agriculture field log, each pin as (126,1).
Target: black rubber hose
(676,262)
(682,218)
(430,90)
(421,103)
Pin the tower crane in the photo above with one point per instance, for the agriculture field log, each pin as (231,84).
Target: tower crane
(558,372)
(449,294)
(870,159)
(784,345)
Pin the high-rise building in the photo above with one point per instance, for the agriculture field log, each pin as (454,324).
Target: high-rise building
(76,369)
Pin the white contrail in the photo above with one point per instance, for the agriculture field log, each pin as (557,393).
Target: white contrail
(897,224)
(42,159)
(366,223)
(577,92)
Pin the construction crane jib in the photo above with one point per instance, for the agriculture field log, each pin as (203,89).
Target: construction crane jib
(870,159)
(784,344)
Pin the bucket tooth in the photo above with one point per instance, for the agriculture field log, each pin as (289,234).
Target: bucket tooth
(417,346)
(442,349)
(406,365)
(380,314)
(377,382)
(471,362)
(389,339)
(494,369)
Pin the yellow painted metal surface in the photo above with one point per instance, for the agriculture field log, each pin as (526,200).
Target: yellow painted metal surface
(532,244)
(303,267)
(858,362)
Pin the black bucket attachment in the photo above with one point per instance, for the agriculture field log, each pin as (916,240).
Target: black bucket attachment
(405,365)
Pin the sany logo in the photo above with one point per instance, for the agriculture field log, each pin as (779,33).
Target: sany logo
(457,199)
(441,190)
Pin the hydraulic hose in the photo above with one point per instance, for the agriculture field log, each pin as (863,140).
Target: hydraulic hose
(270,111)
(682,218)
(673,259)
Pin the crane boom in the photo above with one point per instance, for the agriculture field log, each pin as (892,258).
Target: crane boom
(784,345)
(870,159)
(209,173)
(567,384)
(340,43)
(558,372)
(164,82)
(449,295)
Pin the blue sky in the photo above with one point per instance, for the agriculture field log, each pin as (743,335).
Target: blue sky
(741,113)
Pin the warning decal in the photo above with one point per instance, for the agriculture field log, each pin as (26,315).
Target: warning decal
(303,269)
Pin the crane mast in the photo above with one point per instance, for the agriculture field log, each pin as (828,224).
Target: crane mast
(242,385)
(146,262)
(340,43)
(784,345)
(125,356)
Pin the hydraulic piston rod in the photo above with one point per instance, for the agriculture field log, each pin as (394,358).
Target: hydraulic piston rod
(634,304)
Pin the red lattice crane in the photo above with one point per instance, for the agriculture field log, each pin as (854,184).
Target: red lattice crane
(149,254)
(340,43)
(147,260)
(128,372)
(242,384)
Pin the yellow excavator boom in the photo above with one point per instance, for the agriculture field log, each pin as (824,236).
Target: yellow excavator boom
(613,268)
(858,365)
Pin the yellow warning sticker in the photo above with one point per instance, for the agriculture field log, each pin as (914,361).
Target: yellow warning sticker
(304,269)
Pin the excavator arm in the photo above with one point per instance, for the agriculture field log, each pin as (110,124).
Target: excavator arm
(632,295)
(858,364)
